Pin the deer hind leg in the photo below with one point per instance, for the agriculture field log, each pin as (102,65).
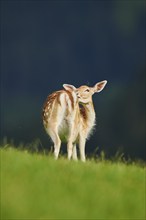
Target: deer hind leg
(69,149)
(74,153)
(56,140)
(70,145)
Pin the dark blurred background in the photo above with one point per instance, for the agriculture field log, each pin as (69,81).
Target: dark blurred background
(47,43)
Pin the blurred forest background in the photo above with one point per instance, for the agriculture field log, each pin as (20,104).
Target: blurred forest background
(47,43)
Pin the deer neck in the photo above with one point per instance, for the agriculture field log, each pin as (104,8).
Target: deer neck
(88,114)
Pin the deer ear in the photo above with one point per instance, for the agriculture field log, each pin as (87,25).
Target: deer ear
(69,87)
(100,86)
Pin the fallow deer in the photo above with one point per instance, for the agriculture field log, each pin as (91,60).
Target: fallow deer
(69,115)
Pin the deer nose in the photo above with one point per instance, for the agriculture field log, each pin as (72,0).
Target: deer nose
(78,95)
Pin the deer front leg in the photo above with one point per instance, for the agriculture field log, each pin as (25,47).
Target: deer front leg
(82,142)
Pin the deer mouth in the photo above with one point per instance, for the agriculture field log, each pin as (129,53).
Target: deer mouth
(81,102)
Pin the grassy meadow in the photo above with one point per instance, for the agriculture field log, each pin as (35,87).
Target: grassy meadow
(35,186)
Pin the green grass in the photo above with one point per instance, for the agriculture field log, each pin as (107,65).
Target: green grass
(35,186)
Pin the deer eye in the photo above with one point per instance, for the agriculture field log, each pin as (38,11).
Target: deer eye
(87,90)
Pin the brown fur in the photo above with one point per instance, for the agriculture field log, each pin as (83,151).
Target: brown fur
(83,112)
(55,96)
(68,115)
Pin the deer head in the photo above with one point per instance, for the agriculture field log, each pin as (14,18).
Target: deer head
(84,93)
